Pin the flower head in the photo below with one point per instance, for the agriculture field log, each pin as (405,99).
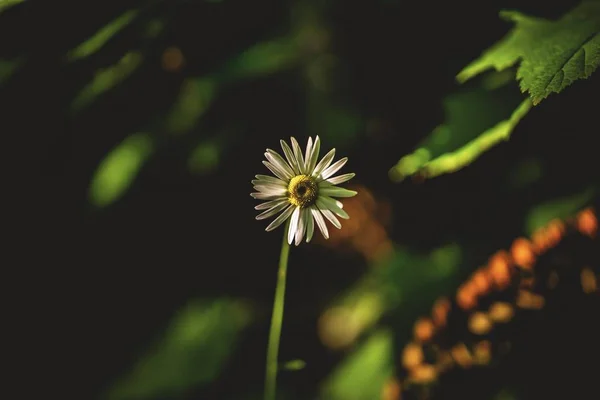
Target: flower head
(302,190)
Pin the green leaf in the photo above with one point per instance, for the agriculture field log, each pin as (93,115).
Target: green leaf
(8,67)
(98,40)
(452,162)
(552,54)
(118,170)
(476,121)
(413,277)
(294,365)
(106,79)
(6,4)
(195,95)
(363,374)
(262,59)
(192,352)
(205,157)
(561,208)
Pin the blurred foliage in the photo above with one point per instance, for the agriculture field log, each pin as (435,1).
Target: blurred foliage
(102,36)
(7,68)
(192,351)
(427,276)
(5,4)
(561,208)
(364,372)
(117,171)
(106,79)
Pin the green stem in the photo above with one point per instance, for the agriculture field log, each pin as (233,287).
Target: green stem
(277,320)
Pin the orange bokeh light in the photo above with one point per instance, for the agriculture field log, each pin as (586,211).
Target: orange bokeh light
(499,269)
(424,329)
(522,253)
(587,223)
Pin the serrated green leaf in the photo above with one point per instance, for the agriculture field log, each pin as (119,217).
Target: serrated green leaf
(98,40)
(570,51)
(552,54)
(192,352)
(506,52)
(116,172)
(475,121)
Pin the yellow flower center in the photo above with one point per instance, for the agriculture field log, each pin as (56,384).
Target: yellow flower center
(303,191)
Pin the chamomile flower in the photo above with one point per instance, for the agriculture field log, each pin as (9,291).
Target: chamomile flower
(302,190)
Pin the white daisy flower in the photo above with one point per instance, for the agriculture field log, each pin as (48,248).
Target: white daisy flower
(302,189)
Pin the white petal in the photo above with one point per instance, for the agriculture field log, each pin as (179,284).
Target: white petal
(301,228)
(336,191)
(271,211)
(289,155)
(336,180)
(298,155)
(325,202)
(270,179)
(307,153)
(271,190)
(314,155)
(310,225)
(293,225)
(320,221)
(275,170)
(280,218)
(334,168)
(264,196)
(329,215)
(270,186)
(277,160)
(324,163)
(271,183)
(270,204)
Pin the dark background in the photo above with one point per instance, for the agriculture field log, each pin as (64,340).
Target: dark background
(111,278)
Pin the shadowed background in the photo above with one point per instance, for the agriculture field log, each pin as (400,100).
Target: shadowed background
(144,123)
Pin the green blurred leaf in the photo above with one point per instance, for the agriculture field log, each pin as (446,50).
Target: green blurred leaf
(561,208)
(476,120)
(6,4)
(154,27)
(525,172)
(262,58)
(7,68)
(294,365)
(362,375)
(204,158)
(120,167)
(98,40)
(106,79)
(552,54)
(195,96)
(408,275)
(192,352)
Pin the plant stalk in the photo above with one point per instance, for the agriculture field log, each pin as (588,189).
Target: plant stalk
(276,321)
